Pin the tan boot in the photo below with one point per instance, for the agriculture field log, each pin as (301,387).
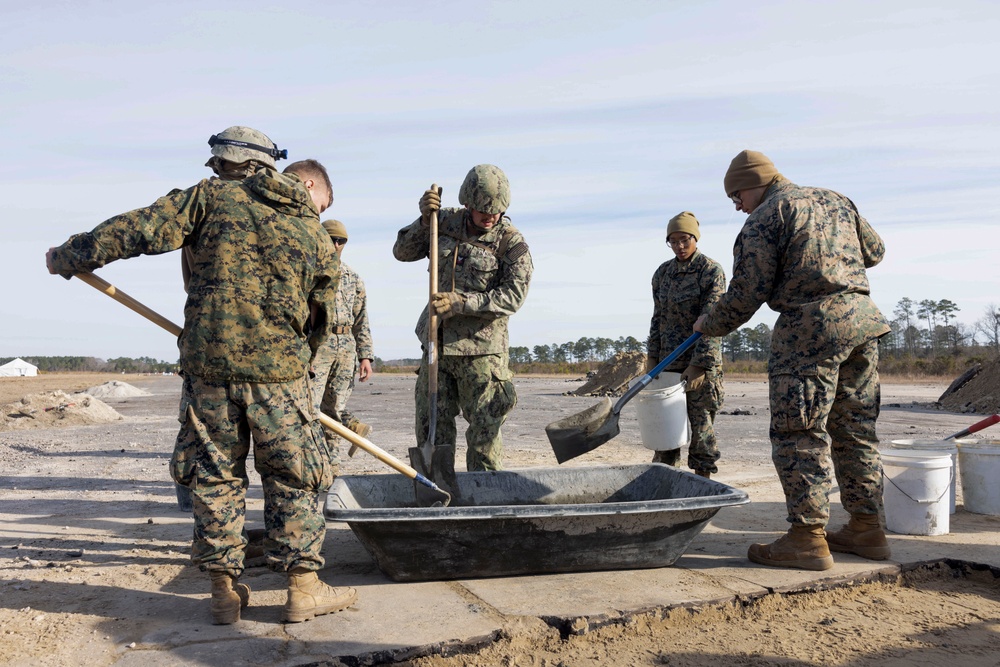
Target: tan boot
(228,597)
(863,536)
(254,554)
(309,597)
(802,547)
(704,473)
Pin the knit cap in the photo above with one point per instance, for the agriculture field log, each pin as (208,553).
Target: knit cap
(335,228)
(684,222)
(749,169)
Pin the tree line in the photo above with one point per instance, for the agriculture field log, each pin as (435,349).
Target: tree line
(928,326)
(95,365)
(919,329)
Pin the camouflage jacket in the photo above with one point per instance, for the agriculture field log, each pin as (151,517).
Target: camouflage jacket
(804,251)
(682,291)
(351,310)
(491,270)
(260,258)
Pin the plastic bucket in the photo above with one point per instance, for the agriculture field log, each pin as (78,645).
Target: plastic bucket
(939,447)
(662,411)
(979,465)
(916,491)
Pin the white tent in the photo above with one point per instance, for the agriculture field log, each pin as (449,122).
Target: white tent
(18,367)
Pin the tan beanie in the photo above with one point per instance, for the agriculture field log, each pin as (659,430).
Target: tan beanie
(749,169)
(335,228)
(684,222)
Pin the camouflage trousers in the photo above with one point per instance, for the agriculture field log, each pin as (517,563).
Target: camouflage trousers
(479,387)
(335,366)
(218,421)
(823,412)
(702,405)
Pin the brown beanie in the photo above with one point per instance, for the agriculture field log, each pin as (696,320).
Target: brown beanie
(335,228)
(749,169)
(684,222)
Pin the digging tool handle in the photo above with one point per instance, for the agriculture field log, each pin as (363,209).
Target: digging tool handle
(648,377)
(978,426)
(334,426)
(374,450)
(129,302)
(432,328)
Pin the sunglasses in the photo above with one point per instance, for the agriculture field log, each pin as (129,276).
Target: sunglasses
(735,198)
(339,241)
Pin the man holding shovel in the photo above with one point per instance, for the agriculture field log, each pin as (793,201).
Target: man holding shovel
(261,261)
(237,153)
(684,288)
(485,269)
(804,251)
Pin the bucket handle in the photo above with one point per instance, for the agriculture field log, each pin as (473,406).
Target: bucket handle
(947,489)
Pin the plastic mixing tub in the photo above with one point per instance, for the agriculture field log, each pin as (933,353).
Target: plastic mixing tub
(531,521)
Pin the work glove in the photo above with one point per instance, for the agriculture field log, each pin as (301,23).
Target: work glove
(446,304)
(429,202)
(694,376)
(650,363)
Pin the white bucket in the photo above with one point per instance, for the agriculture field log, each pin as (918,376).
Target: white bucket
(661,407)
(916,489)
(939,448)
(979,464)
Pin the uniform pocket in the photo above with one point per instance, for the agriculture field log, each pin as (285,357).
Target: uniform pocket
(480,268)
(796,402)
(316,461)
(504,395)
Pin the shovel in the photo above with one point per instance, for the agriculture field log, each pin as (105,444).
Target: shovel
(426,458)
(978,426)
(587,430)
(435,496)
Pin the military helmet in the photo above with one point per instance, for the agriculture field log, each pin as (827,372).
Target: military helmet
(239,144)
(335,228)
(485,189)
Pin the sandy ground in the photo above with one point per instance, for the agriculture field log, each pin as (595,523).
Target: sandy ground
(93,552)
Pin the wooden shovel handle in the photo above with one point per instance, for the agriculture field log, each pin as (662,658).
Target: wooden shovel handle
(127,301)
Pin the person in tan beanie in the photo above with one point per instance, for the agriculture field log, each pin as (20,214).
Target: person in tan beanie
(749,175)
(684,288)
(804,251)
(347,353)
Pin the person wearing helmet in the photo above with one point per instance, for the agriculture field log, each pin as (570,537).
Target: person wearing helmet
(483,276)
(237,152)
(244,354)
(348,350)
(684,288)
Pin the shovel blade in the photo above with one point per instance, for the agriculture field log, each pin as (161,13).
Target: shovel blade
(583,432)
(427,496)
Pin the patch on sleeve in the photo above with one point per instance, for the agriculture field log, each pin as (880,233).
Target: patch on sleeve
(516,252)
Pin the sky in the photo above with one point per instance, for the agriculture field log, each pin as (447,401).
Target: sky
(607,119)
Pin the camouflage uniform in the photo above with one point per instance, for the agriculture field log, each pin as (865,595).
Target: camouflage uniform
(681,292)
(260,259)
(336,362)
(804,251)
(492,270)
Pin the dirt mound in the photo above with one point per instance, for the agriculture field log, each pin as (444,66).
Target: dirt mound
(611,378)
(115,389)
(56,408)
(976,390)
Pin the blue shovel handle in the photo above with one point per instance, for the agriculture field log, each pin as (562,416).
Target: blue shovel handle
(648,377)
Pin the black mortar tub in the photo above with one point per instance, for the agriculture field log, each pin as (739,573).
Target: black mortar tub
(531,521)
